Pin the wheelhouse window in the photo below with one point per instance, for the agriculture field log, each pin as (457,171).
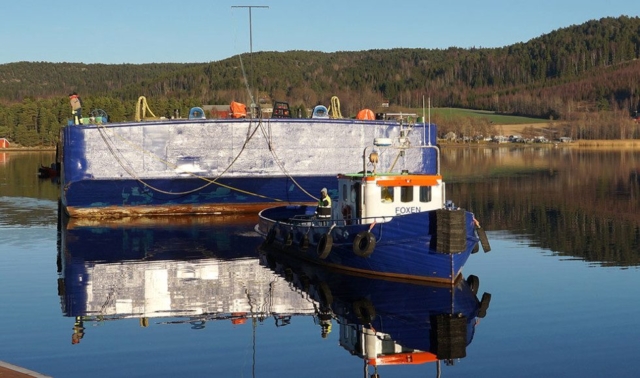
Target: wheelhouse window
(425,194)
(386,194)
(345,194)
(406,194)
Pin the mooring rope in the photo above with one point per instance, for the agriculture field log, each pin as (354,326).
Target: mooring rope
(132,173)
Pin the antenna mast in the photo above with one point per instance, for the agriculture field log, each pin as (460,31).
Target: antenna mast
(250,7)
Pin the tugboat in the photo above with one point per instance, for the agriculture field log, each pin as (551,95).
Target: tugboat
(384,222)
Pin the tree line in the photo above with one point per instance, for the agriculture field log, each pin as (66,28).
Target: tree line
(586,75)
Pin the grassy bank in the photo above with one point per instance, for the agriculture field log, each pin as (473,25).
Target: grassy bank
(449,114)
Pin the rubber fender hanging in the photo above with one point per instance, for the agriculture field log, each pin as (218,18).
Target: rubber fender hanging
(324,292)
(365,312)
(271,236)
(483,239)
(474,283)
(484,305)
(324,246)
(304,242)
(288,240)
(476,248)
(364,243)
(271,261)
(305,281)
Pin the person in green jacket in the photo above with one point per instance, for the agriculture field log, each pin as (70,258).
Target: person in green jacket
(324,205)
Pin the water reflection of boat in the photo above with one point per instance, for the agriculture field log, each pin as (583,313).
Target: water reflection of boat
(159,238)
(185,273)
(389,322)
(189,268)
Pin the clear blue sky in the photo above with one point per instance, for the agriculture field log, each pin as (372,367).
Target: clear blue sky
(183,31)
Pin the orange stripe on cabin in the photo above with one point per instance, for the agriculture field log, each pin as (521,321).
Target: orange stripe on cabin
(405,180)
(403,359)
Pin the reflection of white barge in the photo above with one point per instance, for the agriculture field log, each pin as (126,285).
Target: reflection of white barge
(193,288)
(215,165)
(167,266)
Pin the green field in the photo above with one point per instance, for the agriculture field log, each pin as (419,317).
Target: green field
(497,119)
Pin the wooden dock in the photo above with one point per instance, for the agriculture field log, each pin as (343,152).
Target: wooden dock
(12,371)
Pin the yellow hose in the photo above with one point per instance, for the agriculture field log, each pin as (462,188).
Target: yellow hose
(141,109)
(334,108)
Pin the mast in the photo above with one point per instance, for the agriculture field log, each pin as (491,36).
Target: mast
(250,7)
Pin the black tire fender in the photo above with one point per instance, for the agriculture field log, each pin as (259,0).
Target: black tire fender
(474,283)
(271,236)
(364,243)
(363,309)
(304,242)
(486,247)
(324,293)
(484,305)
(324,246)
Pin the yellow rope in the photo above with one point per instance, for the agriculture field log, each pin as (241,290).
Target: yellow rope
(334,108)
(132,173)
(141,109)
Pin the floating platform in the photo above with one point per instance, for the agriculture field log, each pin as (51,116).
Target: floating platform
(12,371)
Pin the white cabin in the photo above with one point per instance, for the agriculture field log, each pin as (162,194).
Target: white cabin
(377,197)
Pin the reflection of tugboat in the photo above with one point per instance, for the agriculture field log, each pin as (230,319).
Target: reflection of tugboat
(389,322)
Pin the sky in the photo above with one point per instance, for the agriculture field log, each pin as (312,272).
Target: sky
(198,31)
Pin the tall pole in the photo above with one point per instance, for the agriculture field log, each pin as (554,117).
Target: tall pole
(253,105)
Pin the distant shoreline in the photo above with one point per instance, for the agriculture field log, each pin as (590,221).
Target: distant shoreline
(27,149)
(583,143)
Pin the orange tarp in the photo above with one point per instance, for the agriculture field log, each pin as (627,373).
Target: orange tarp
(365,114)
(238,110)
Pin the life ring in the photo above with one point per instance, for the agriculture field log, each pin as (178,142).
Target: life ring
(346,214)
(365,312)
(271,236)
(364,243)
(324,246)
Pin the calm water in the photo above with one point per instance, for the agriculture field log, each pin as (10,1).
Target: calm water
(192,297)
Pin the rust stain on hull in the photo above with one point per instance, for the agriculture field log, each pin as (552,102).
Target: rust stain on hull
(115,212)
(145,221)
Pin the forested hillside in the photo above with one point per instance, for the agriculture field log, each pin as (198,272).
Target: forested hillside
(583,74)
